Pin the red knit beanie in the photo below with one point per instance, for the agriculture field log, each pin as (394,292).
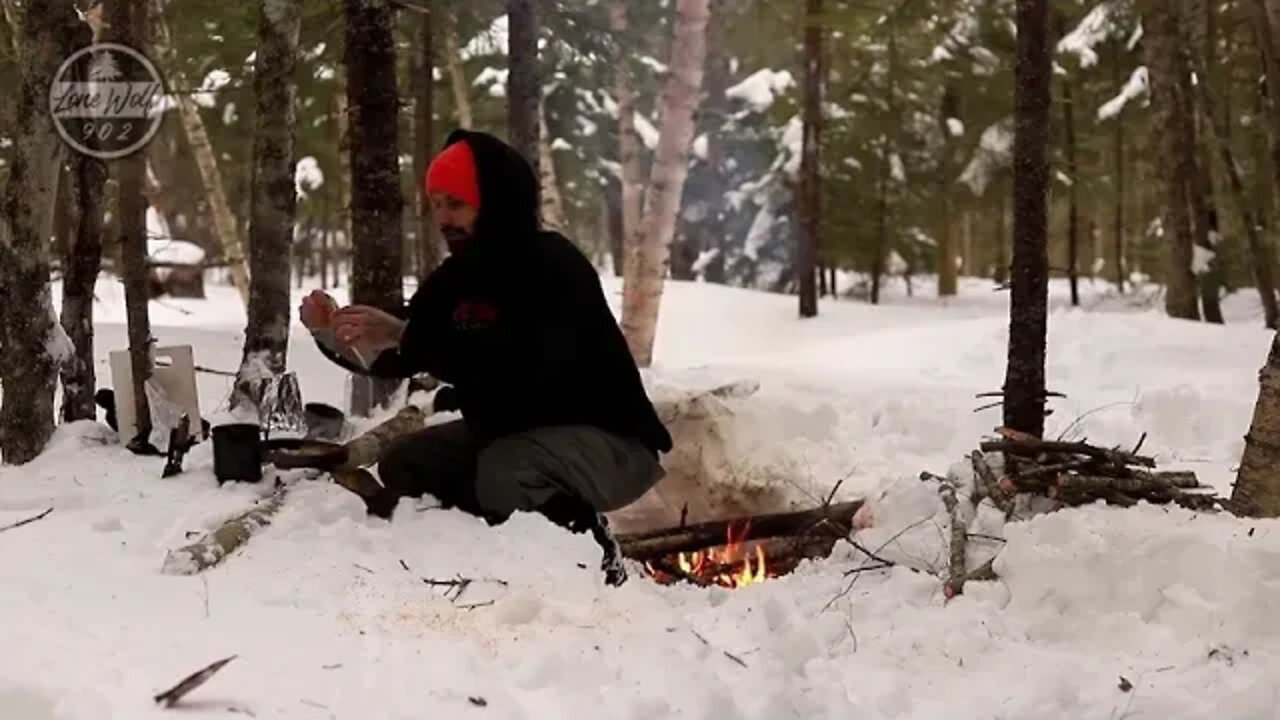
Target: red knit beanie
(453,172)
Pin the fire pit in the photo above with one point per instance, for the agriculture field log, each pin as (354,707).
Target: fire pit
(741,551)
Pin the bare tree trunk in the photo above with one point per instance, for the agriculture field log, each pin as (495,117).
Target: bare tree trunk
(31,341)
(1267,19)
(882,222)
(224,220)
(1118,169)
(524,92)
(342,140)
(1173,127)
(1073,192)
(628,141)
(376,200)
(130,22)
(80,267)
(1195,20)
(453,66)
(810,158)
(430,252)
(552,201)
(1257,488)
(1024,389)
(274,199)
(642,289)
(947,279)
(1257,244)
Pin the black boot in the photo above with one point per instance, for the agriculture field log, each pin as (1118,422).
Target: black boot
(575,515)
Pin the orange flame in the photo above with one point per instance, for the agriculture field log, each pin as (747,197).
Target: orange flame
(716,565)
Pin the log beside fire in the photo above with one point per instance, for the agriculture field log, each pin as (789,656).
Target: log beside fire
(733,551)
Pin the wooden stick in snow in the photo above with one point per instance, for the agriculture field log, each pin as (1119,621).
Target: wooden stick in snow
(170,697)
(211,549)
(1031,448)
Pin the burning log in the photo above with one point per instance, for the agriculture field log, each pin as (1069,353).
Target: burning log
(827,524)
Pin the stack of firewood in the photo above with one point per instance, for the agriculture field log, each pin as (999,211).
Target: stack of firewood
(1077,473)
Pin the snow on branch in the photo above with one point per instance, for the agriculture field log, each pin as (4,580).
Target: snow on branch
(994,153)
(1099,24)
(1138,86)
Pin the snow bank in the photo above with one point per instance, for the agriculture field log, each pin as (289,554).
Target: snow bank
(327,621)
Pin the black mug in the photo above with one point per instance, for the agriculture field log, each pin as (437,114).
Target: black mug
(237,452)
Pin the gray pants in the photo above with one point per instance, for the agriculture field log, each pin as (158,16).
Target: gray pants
(562,471)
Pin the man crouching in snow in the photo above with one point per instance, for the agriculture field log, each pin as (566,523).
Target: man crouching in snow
(555,418)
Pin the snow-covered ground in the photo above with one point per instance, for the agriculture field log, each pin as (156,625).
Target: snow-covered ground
(327,623)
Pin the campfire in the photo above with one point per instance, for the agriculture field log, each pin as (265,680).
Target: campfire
(742,551)
(730,565)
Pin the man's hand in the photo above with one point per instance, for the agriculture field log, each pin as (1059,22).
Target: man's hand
(367,328)
(317,311)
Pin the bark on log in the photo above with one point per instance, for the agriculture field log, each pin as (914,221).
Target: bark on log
(1031,448)
(832,521)
(367,448)
(214,547)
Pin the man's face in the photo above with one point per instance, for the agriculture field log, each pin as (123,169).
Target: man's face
(455,218)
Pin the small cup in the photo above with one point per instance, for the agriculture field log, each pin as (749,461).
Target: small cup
(237,452)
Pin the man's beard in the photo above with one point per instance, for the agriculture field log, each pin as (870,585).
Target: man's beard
(455,237)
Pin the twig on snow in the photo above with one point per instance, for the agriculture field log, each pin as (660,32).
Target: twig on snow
(954,584)
(28,521)
(170,697)
(734,658)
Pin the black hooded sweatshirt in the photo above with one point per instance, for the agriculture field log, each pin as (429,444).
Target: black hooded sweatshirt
(517,322)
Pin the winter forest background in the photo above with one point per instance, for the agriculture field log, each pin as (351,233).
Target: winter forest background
(916,147)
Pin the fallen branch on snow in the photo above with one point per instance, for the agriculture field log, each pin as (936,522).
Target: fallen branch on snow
(214,547)
(27,521)
(170,697)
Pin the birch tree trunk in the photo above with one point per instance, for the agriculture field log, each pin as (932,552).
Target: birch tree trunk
(30,338)
(273,206)
(524,91)
(80,267)
(457,75)
(376,200)
(628,141)
(430,253)
(642,289)
(810,158)
(1175,136)
(1024,388)
(224,220)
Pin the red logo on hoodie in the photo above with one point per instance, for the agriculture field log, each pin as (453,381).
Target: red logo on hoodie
(473,314)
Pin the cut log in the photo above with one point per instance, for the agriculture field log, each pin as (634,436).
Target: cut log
(211,549)
(367,448)
(1032,448)
(834,521)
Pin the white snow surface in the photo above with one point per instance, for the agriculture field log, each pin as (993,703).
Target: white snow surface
(325,622)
